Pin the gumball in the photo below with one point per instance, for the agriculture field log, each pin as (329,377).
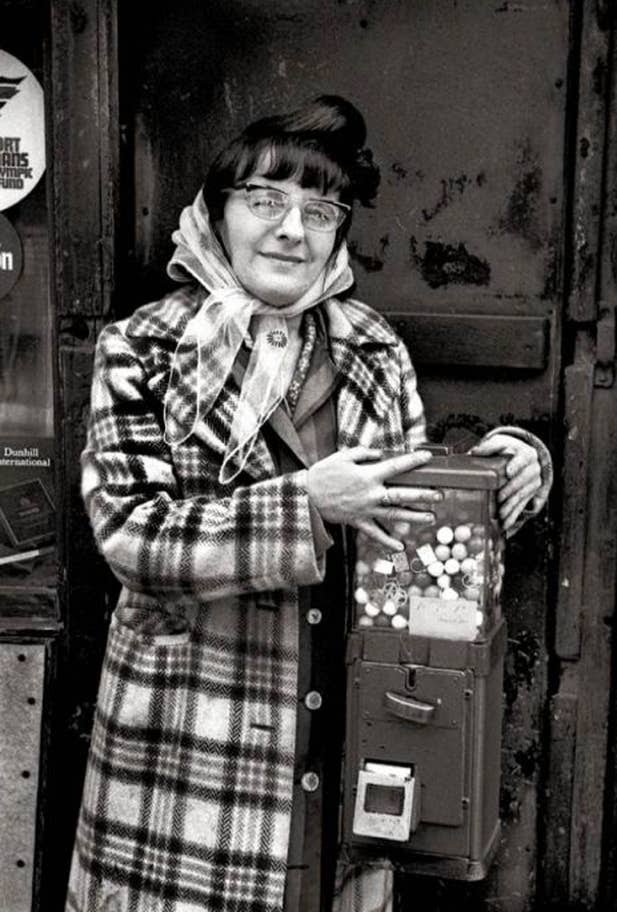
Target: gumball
(361,596)
(362,568)
(389,607)
(472,593)
(382,620)
(365,621)
(422,579)
(424,536)
(371,610)
(459,551)
(443,581)
(403,610)
(449,595)
(414,591)
(432,592)
(444,535)
(399,622)
(475,544)
(442,552)
(435,569)
(462,533)
(452,566)
(469,565)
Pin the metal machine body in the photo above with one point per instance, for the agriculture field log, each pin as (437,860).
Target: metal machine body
(425,670)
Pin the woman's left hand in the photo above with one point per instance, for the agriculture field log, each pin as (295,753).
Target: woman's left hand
(522,470)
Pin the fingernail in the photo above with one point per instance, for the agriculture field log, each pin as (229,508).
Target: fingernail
(423,453)
(438,495)
(429,517)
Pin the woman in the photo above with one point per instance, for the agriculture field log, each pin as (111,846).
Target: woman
(237,427)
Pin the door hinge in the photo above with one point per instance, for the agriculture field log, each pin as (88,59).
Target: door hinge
(604,373)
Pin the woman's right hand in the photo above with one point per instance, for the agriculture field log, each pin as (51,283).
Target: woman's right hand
(349,487)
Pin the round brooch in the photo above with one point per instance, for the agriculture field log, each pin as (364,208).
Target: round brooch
(277,338)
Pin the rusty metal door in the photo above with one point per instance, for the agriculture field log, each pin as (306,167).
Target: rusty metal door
(492,188)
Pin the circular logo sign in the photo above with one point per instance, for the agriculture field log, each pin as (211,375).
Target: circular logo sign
(10,256)
(22,131)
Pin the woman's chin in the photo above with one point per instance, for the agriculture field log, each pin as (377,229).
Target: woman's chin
(277,296)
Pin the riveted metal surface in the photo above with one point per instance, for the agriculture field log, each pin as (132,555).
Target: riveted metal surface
(22,669)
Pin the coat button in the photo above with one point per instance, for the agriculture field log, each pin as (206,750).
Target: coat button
(313,700)
(314,616)
(310,782)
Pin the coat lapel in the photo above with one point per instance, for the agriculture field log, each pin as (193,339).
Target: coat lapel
(362,347)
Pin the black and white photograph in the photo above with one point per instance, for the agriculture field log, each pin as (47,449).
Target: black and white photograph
(308,494)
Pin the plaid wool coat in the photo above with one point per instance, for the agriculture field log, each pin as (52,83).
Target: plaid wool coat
(188,790)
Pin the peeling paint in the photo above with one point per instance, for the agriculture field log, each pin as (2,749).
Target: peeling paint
(445,264)
(528,760)
(368,262)
(459,431)
(522,658)
(450,188)
(521,216)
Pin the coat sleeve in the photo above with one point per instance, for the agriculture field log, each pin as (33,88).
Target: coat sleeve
(258,538)
(412,408)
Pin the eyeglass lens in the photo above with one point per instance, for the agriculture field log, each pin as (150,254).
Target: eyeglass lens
(271,204)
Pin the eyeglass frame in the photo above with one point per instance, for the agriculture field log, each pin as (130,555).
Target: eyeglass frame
(344,208)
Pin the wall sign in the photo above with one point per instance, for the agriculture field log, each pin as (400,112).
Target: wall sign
(22,131)
(11,259)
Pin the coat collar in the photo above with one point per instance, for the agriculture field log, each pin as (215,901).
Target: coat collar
(360,343)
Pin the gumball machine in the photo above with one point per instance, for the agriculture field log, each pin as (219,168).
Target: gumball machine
(425,669)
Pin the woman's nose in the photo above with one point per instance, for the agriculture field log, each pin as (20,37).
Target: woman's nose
(291,225)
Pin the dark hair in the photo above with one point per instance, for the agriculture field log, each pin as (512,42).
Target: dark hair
(321,144)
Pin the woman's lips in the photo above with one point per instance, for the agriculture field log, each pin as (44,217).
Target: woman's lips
(283,257)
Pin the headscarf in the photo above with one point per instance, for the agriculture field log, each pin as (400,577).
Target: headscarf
(207,350)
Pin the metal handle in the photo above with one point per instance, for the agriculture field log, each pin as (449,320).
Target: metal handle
(408,709)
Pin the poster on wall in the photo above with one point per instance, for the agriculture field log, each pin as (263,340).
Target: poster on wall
(11,257)
(22,131)
(27,497)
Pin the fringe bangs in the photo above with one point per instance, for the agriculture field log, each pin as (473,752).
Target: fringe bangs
(300,160)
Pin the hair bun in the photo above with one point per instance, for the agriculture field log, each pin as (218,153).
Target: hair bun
(330,114)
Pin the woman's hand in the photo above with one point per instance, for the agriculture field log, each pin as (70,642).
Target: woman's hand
(349,487)
(523,471)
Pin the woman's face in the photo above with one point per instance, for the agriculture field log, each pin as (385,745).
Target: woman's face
(275,261)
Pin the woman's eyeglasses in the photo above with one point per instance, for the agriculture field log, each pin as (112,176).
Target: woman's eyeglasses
(271,204)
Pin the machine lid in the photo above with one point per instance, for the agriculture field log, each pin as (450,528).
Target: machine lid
(457,470)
